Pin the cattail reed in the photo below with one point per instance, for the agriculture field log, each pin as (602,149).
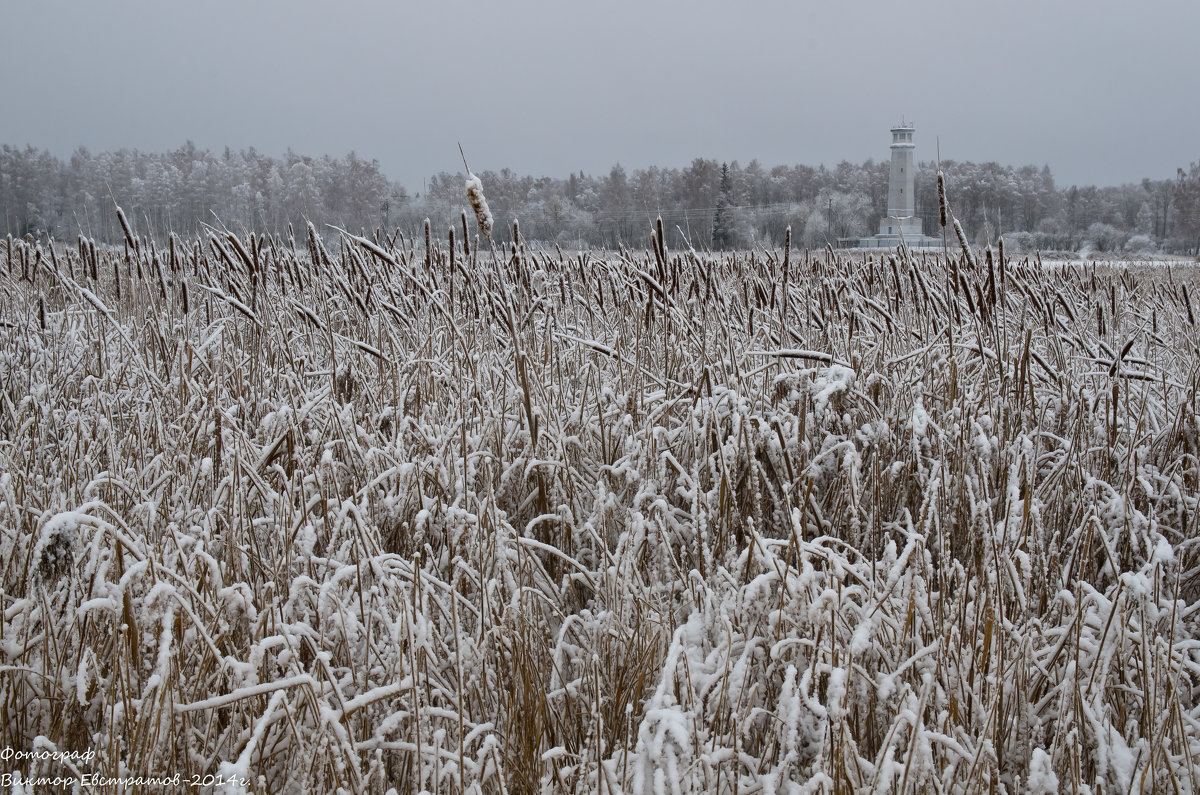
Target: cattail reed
(240,249)
(991,281)
(941,191)
(967,291)
(162,279)
(466,240)
(483,215)
(314,254)
(54,256)
(428,245)
(962,241)
(1115,367)
(1002,266)
(125,226)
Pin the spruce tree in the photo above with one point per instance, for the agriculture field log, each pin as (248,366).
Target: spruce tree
(722,234)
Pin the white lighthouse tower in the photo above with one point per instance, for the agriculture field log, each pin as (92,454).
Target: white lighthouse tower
(901,221)
(902,200)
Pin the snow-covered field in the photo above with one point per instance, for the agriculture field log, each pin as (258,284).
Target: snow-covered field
(351,515)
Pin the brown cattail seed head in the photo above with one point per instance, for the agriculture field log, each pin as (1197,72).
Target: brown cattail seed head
(962,241)
(941,182)
(125,226)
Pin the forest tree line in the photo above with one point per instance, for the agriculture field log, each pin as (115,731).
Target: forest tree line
(708,204)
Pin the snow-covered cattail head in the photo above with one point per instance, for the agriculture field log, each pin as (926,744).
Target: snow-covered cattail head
(483,216)
(126,227)
(962,240)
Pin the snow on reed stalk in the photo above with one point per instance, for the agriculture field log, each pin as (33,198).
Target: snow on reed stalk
(962,242)
(126,228)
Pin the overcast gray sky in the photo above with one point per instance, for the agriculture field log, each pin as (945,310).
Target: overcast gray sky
(1104,92)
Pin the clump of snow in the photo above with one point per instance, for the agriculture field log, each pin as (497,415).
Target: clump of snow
(1042,778)
(57,544)
(829,384)
(919,422)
